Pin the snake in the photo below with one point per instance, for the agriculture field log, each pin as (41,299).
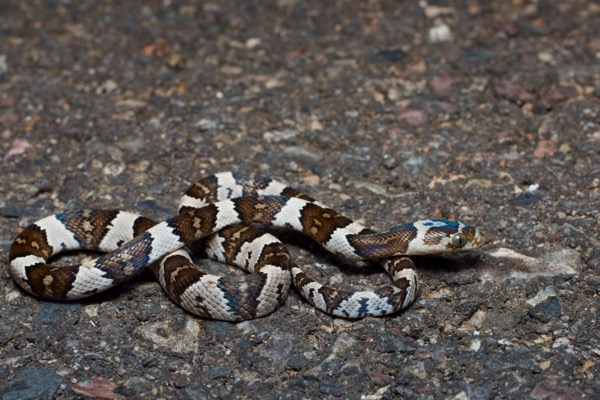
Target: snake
(225,216)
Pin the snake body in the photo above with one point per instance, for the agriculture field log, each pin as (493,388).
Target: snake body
(222,209)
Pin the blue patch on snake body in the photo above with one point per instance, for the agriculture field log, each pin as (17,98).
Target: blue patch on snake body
(277,199)
(374,248)
(363,310)
(64,218)
(126,261)
(234,299)
(402,228)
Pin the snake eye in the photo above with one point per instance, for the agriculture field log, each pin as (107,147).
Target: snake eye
(459,241)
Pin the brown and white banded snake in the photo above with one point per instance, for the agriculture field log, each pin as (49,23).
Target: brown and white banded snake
(222,208)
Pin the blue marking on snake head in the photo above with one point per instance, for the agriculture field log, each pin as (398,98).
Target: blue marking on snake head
(441,223)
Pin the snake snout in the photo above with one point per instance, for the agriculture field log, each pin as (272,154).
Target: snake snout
(467,238)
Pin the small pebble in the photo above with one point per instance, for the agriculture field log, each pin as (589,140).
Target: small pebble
(219,371)
(440,32)
(10,212)
(108,86)
(389,161)
(32,383)
(330,389)
(547,310)
(390,55)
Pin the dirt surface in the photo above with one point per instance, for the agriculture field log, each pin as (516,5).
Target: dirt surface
(388,111)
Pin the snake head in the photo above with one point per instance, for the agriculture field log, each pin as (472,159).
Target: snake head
(430,236)
(440,236)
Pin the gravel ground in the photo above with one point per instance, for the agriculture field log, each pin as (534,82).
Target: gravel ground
(388,111)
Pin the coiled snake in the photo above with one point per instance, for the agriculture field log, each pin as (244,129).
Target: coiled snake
(222,209)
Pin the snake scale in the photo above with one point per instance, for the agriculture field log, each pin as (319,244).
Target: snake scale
(221,210)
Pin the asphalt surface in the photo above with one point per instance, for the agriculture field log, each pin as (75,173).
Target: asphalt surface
(389,111)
